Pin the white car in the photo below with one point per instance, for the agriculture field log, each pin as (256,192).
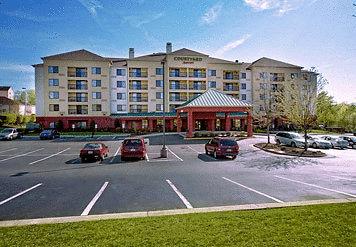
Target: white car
(290,139)
(9,134)
(316,142)
(336,142)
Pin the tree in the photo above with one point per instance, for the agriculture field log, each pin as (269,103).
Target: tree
(325,109)
(298,101)
(20,96)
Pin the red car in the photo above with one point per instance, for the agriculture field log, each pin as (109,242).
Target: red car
(133,148)
(222,147)
(94,151)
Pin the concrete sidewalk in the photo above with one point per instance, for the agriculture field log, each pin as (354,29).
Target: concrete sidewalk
(56,220)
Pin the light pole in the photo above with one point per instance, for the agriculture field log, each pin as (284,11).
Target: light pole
(164,149)
(26,99)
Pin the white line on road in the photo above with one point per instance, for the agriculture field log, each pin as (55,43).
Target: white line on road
(93,201)
(258,192)
(349,179)
(184,200)
(99,137)
(194,150)
(34,162)
(174,154)
(116,153)
(113,137)
(20,155)
(146,156)
(316,186)
(19,194)
(8,150)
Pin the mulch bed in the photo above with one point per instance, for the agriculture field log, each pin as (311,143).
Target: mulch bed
(284,150)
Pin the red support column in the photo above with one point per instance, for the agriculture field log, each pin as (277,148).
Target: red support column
(123,125)
(190,124)
(227,122)
(249,125)
(171,124)
(179,124)
(150,124)
(242,124)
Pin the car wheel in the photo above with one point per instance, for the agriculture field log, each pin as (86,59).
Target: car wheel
(215,155)
(206,151)
(293,145)
(82,160)
(123,158)
(354,146)
(101,158)
(278,142)
(233,157)
(314,145)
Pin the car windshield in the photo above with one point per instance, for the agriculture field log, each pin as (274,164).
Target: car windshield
(47,131)
(92,146)
(228,143)
(295,136)
(6,131)
(353,138)
(133,142)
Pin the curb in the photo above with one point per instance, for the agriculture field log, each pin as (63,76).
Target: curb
(71,219)
(292,155)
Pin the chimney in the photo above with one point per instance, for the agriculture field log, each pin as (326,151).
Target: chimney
(168,47)
(131,53)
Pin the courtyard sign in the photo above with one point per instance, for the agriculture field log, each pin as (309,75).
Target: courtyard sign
(188,59)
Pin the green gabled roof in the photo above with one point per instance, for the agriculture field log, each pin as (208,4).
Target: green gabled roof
(144,114)
(214,98)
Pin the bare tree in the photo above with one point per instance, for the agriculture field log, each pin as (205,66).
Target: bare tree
(298,100)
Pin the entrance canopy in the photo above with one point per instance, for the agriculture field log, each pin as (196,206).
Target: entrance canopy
(214,107)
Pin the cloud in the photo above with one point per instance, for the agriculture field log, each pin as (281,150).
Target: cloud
(232,45)
(280,6)
(140,20)
(211,14)
(17,68)
(92,6)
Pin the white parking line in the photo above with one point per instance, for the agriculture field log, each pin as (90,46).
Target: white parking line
(194,150)
(20,155)
(174,154)
(349,179)
(34,162)
(116,153)
(146,156)
(99,137)
(316,186)
(113,137)
(8,150)
(184,200)
(19,194)
(258,192)
(93,201)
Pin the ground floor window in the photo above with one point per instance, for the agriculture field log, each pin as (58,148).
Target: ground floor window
(144,124)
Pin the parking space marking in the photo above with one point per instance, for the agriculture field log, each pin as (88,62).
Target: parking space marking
(113,137)
(194,150)
(258,192)
(95,198)
(19,194)
(20,155)
(174,154)
(316,186)
(8,150)
(349,179)
(116,153)
(146,157)
(184,200)
(45,158)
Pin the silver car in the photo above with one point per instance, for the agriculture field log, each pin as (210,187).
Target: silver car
(9,134)
(336,142)
(290,139)
(316,142)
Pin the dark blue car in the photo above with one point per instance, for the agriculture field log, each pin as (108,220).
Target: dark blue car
(49,134)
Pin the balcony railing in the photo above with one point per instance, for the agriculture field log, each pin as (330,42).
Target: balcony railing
(138,74)
(177,74)
(178,86)
(77,74)
(139,99)
(231,77)
(77,112)
(138,110)
(197,87)
(175,99)
(197,75)
(138,87)
(77,87)
(77,99)
(231,88)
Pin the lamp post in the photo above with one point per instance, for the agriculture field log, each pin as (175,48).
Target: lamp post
(26,99)
(164,148)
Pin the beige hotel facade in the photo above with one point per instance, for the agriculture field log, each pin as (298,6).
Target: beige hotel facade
(81,87)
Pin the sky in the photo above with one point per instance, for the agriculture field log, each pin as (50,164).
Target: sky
(309,33)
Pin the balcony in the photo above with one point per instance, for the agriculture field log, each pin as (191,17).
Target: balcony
(135,109)
(178,86)
(138,99)
(78,111)
(231,77)
(138,74)
(77,99)
(197,74)
(138,87)
(77,87)
(197,87)
(231,88)
(77,72)
(178,99)
(177,74)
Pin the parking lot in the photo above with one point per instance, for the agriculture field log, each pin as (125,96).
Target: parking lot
(46,178)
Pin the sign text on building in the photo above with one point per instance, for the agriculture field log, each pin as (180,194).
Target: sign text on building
(188,59)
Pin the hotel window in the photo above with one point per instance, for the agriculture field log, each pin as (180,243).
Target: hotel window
(263,75)
(243,85)
(121,96)
(53,95)
(243,96)
(121,84)
(96,83)
(96,107)
(262,97)
(159,71)
(274,87)
(121,72)
(53,107)
(159,83)
(294,75)
(159,95)
(96,95)
(212,84)
(121,108)
(262,108)
(159,107)
(53,82)
(53,69)
(243,75)
(96,70)
(263,85)
(212,72)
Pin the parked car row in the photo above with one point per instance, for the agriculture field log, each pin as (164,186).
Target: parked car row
(10,134)
(296,140)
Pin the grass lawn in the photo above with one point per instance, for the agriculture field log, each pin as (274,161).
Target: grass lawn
(317,225)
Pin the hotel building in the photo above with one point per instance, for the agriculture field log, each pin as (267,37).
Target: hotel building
(79,87)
